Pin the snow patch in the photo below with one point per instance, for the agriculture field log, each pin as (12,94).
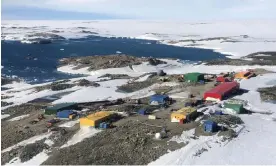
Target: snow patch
(28,141)
(70,123)
(49,142)
(19,117)
(4,116)
(83,133)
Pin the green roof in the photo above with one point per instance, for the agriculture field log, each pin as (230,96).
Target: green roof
(193,74)
(194,77)
(60,106)
(235,101)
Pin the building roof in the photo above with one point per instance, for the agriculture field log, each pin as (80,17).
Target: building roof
(185,111)
(223,88)
(235,101)
(66,112)
(60,106)
(158,97)
(98,115)
(195,74)
(209,122)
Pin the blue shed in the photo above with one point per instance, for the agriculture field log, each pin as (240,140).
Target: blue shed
(160,99)
(65,113)
(104,125)
(218,113)
(142,111)
(210,126)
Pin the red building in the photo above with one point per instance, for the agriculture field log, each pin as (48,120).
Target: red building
(222,90)
(223,79)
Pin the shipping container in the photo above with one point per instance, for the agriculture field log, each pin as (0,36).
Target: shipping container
(152,117)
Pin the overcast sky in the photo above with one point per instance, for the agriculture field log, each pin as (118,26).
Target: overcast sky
(138,9)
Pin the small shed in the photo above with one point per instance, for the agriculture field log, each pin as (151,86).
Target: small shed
(181,114)
(59,107)
(104,125)
(235,105)
(194,77)
(210,126)
(66,114)
(95,119)
(159,99)
(142,111)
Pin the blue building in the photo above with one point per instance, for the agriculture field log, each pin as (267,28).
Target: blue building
(104,125)
(159,99)
(210,126)
(142,111)
(66,114)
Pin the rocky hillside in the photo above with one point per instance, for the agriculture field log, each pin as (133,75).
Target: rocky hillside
(258,58)
(108,61)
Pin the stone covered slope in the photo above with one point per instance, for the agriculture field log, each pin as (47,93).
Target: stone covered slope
(107,61)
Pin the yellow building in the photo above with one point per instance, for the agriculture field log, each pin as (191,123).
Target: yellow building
(181,114)
(244,75)
(95,119)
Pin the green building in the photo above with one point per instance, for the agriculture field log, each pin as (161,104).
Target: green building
(235,105)
(193,77)
(60,107)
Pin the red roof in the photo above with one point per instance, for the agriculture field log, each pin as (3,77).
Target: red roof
(224,88)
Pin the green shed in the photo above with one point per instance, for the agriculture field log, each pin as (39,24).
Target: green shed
(193,77)
(235,105)
(60,107)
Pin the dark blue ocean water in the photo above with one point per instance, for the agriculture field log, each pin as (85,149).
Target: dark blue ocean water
(42,62)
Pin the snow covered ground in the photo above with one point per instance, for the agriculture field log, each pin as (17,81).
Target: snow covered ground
(28,141)
(36,160)
(4,116)
(19,117)
(237,38)
(83,133)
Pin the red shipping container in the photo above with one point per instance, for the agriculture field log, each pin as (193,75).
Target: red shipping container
(221,90)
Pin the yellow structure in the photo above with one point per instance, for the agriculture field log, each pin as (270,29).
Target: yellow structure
(181,114)
(244,75)
(95,119)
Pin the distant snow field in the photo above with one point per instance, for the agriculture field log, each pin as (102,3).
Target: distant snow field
(235,38)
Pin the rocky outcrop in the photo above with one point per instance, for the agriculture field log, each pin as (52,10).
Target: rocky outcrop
(107,61)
